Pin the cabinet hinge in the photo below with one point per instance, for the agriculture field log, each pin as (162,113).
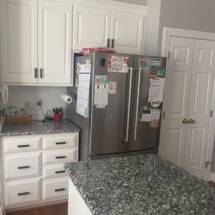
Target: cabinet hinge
(206,164)
(211,113)
(168,55)
(163,115)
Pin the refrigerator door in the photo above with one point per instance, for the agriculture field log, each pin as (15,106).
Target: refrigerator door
(143,136)
(110,125)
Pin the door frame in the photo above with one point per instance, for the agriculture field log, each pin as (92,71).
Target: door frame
(175,32)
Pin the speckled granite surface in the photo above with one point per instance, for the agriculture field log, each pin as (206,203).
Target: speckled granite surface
(140,185)
(34,128)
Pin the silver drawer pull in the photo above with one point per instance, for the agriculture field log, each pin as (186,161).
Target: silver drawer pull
(23,167)
(58,190)
(60,143)
(22,146)
(60,157)
(22,194)
(58,172)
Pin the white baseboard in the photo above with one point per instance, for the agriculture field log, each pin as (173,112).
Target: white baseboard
(213,177)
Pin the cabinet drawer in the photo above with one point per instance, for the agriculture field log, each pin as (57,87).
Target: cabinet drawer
(22,191)
(53,170)
(56,141)
(22,165)
(55,188)
(60,156)
(21,144)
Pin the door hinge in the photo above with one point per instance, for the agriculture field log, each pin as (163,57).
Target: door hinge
(168,55)
(206,164)
(163,115)
(211,113)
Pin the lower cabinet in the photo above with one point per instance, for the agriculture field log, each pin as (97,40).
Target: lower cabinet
(37,176)
(23,191)
(55,188)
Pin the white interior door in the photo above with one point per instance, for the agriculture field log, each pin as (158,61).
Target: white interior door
(127,32)
(91,27)
(55,42)
(18,41)
(176,99)
(200,103)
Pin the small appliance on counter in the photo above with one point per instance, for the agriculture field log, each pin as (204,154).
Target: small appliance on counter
(119,103)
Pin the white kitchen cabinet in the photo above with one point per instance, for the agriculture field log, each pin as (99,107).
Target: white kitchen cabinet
(91,27)
(36,39)
(127,32)
(22,165)
(25,191)
(55,188)
(117,29)
(55,39)
(18,41)
(34,175)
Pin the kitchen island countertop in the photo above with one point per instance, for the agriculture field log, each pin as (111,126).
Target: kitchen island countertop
(35,128)
(140,185)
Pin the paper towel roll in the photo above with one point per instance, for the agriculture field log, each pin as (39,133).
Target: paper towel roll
(66,98)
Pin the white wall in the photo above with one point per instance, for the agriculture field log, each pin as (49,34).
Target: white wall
(197,15)
(50,96)
(152,27)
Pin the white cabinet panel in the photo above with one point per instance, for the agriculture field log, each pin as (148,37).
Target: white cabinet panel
(91,27)
(21,144)
(22,191)
(18,41)
(22,165)
(60,156)
(56,141)
(55,188)
(127,32)
(53,171)
(55,37)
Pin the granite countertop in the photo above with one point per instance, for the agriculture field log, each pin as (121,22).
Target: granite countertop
(140,185)
(34,128)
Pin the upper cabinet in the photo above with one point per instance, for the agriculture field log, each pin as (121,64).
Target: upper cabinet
(127,32)
(36,41)
(55,39)
(38,37)
(91,27)
(96,27)
(18,41)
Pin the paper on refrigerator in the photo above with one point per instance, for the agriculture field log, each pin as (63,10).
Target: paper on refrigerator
(83,95)
(101,91)
(156,89)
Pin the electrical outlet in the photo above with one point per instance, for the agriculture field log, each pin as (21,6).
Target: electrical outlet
(39,102)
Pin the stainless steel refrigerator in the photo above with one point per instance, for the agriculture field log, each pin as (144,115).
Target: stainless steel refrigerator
(118,127)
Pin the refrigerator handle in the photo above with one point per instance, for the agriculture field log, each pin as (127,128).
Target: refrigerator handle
(129,105)
(137,105)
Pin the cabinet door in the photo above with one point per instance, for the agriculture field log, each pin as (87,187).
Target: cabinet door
(22,192)
(91,27)
(127,32)
(18,41)
(55,36)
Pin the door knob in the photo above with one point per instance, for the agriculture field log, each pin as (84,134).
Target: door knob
(185,121)
(191,121)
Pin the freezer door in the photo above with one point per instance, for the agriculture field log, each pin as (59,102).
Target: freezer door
(142,135)
(110,125)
